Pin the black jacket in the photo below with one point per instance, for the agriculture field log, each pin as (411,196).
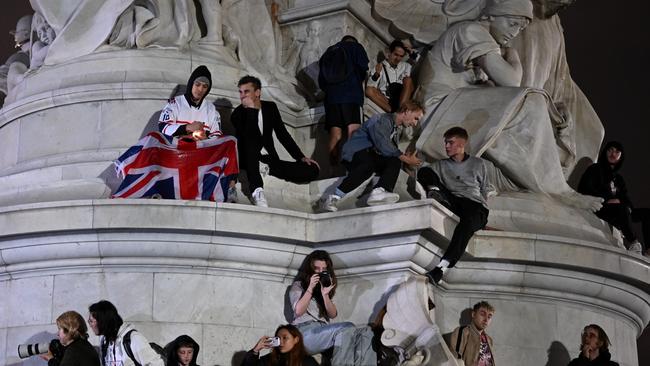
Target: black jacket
(173,346)
(597,178)
(603,359)
(78,353)
(252,359)
(248,134)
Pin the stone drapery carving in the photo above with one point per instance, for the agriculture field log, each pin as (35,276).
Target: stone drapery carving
(527,133)
(409,324)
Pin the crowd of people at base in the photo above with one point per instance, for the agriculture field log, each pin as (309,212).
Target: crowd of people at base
(311,332)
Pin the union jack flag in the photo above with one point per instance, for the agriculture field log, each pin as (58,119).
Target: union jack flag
(177,169)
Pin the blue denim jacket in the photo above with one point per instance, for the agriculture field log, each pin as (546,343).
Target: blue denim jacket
(378,132)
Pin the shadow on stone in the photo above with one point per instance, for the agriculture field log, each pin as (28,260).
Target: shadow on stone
(558,355)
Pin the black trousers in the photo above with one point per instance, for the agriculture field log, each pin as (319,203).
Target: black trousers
(292,171)
(364,163)
(642,215)
(473,216)
(618,215)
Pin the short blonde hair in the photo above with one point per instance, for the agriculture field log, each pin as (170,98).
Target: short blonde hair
(72,324)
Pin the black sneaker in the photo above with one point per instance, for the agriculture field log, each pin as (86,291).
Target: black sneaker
(435,275)
(436,195)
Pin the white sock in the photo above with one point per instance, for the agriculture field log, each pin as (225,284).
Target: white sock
(443,264)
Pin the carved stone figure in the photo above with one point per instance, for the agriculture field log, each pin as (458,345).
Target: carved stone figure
(44,37)
(21,58)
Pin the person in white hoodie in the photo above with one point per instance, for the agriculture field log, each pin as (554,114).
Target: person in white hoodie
(120,343)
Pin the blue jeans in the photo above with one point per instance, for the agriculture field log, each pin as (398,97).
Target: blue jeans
(352,346)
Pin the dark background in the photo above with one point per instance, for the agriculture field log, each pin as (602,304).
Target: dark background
(607,46)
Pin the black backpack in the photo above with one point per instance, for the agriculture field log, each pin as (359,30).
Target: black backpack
(126,342)
(333,64)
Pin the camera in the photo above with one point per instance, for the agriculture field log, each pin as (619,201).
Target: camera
(28,350)
(325,279)
(274,342)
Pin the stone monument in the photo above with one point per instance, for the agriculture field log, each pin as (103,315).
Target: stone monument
(220,272)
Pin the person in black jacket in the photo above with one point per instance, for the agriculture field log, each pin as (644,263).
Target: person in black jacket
(255,123)
(594,348)
(182,351)
(290,352)
(73,335)
(602,180)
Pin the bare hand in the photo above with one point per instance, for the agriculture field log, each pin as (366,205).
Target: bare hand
(47,356)
(194,126)
(378,68)
(410,159)
(263,343)
(613,201)
(587,352)
(326,290)
(248,102)
(309,161)
(313,281)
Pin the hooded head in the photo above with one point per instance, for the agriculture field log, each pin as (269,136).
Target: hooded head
(513,8)
(200,75)
(183,344)
(604,156)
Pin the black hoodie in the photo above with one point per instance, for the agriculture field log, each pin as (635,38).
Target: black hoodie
(172,348)
(604,359)
(597,179)
(198,72)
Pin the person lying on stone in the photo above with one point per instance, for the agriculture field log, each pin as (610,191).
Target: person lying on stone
(190,115)
(373,149)
(256,122)
(602,179)
(594,348)
(461,183)
(311,298)
(471,343)
(391,85)
(287,349)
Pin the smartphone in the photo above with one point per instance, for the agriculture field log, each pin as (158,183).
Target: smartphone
(274,342)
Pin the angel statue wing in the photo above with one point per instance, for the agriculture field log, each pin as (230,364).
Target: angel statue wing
(426,20)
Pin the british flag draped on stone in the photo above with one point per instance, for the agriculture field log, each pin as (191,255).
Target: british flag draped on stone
(177,169)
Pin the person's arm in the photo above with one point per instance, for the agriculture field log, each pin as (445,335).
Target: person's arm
(214,123)
(282,134)
(504,70)
(252,357)
(303,299)
(330,308)
(142,351)
(377,97)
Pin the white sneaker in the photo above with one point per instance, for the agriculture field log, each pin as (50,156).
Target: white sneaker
(232,194)
(636,247)
(329,203)
(258,198)
(379,196)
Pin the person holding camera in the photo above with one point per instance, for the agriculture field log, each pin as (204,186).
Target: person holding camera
(120,344)
(73,336)
(287,349)
(311,300)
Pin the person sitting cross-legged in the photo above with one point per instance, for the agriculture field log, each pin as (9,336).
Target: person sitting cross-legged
(459,182)
(373,149)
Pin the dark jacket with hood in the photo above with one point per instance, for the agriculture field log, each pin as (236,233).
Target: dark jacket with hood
(172,348)
(603,359)
(197,73)
(597,179)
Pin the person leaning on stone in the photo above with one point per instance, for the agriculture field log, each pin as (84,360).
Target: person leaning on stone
(343,69)
(602,179)
(594,348)
(256,122)
(471,343)
(373,149)
(391,85)
(459,182)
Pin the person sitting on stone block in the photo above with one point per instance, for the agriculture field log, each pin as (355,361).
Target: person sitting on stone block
(391,84)
(373,149)
(311,297)
(256,122)
(470,342)
(594,348)
(460,183)
(602,180)
(287,349)
(182,351)
(120,343)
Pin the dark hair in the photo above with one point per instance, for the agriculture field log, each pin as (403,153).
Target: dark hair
(108,320)
(257,84)
(602,158)
(296,354)
(602,336)
(483,304)
(396,43)
(410,105)
(350,38)
(456,132)
(306,271)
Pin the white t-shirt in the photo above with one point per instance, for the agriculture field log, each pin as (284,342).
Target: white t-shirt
(395,75)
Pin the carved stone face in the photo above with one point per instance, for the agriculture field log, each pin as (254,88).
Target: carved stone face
(547,8)
(45,33)
(505,28)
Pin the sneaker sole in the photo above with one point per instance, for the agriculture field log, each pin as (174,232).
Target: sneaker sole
(385,201)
